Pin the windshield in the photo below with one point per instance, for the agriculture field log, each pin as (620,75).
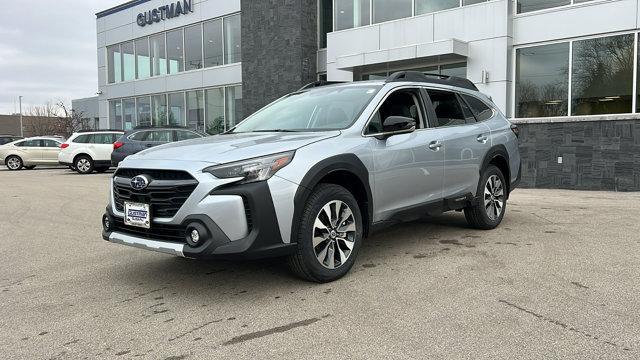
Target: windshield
(330,108)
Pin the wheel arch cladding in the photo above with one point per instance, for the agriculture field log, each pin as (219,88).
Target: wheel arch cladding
(499,157)
(346,170)
(75,158)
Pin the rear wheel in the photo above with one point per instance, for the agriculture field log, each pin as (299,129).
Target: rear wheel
(488,208)
(84,164)
(14,163)
(330,235)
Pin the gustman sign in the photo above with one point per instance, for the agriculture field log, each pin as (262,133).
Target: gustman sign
(165,12)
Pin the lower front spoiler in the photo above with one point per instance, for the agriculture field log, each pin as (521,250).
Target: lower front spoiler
(153,245)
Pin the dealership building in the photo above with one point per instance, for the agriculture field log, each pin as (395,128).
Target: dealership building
(566,71)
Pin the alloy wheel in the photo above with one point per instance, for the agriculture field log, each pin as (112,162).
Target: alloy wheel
(83,165)
(494,197)
(334,234)
(14,163)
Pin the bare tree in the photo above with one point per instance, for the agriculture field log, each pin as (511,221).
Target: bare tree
(57,119)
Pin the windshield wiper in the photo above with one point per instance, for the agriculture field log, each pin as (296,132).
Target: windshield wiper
(276,130)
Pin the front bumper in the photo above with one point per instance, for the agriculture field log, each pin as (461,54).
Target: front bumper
(262,238)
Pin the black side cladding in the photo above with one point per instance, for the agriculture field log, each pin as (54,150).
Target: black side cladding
(346,162)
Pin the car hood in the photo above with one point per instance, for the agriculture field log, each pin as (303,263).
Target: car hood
(220,149)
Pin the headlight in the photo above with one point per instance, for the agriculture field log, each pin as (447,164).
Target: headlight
(252,170)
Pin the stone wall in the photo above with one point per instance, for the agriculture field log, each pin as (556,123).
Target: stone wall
(596,155)
(279,45)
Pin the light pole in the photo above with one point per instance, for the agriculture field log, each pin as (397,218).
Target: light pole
(20,101)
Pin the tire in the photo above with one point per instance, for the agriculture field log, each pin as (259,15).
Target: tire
(30,167)
(83,164)
(14,163)
(101,170)
(315,263)
(490,204)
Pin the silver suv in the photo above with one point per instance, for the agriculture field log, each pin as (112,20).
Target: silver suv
(312,174)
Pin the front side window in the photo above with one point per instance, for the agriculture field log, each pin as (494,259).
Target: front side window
(542,81)
(602,76)
(114,64)
(193,47)
(317,109)
(447,108)
(232,39)
(175,47)
(400,103)
(351,13)
(386,10)
(29,143)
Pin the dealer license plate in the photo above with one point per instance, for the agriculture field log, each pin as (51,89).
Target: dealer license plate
(136,214)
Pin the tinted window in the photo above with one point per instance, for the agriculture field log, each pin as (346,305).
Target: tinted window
(466,110)
(385,10)
(83,139)
(479,108)
(447,108)
(139,136)
(51,143)
(102,139)
(159,136)
(185,135)
(400,103)
(29,143)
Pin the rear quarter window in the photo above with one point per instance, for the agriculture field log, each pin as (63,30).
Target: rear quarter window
(83,139)
(481,110)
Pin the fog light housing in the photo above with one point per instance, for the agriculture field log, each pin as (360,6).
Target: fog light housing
(196,234)
(106,223)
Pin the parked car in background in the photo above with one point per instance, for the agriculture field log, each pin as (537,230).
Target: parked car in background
(5,139)
(28,153)
(87,151)
(138,139)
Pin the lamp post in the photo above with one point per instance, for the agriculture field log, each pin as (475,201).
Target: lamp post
(20,101)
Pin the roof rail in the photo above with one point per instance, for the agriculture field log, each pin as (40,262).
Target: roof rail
(417,76)
(168,127)
(98,130)
(319,83)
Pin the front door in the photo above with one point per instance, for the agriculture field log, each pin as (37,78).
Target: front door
(408,168)
(50,151)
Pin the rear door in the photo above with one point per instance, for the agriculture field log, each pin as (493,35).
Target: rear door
(50,151)
(157,137)
(102,146)
(466,142)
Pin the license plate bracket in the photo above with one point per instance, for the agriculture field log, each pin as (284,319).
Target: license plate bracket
(137,214)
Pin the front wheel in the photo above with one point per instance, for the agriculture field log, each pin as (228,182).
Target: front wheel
(14,163)
(330,235)
(84,165)
(488,208)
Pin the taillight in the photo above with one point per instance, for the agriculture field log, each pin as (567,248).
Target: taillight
(515,130)
(64,146)
(117,145)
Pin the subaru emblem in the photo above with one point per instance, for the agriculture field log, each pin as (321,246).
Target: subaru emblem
(139,182)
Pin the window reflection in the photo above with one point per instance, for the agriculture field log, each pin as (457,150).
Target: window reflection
(114,64)
(326,21)
(128,61)
(232,42)
(215,110)
(213,55)
(534,5)
(143,62)
(542,78)
(143,104)
(386,10)
(176,109)
(429,6)
(193,47)
(174,51)
(158,55)
(159,110)
(233,113)
(129,112)
(195,110)
(351,13)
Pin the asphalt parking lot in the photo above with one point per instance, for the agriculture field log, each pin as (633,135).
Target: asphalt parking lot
(558,279)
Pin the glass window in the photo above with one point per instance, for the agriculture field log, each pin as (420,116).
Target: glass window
(143,104)
(83,139)
(139,136)
(214,99)
(471,2)
(185,135)
(176,109)
(481,111)
(114,64)
(159,110)
(542,81)
(129,111)
(29,143)
(459,70)
(316,109)
(143,62)
(351,13)
(325,24)
(429,6)
(115,114)
(195,109)
(233,113)
(385,10)
(158,55)
(602,75)
(159,136)
(376,76)
(213,43)
(174,51)
(193,47)
(232,44)
(468,113)
(102,139)
(447,108)
(128,61)
(400,103)
(533,5)
(51,143)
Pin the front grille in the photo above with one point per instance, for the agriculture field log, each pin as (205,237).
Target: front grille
(167,191)
(173,233)
(247,213)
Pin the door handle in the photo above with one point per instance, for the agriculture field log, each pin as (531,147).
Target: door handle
(435,145)
(149,145)
(482,139)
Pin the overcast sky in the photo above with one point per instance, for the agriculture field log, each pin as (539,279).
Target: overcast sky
(48,51)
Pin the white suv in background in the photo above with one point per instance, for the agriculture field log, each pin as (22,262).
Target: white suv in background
(87,151)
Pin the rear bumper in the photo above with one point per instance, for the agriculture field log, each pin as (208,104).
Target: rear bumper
(116,158)
(262,240)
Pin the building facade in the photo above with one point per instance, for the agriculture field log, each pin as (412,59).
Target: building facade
(564,70)
(88,109)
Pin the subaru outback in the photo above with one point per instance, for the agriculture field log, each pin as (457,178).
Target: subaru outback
(311,175)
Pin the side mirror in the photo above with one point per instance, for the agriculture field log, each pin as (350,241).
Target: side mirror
(395,125)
